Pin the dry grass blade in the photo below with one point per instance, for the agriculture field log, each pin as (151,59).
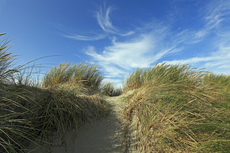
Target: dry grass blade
(109,90)
(28,113)
(175,109)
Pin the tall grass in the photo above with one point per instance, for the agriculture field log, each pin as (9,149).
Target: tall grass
(6,60)
(220,80)
(61,110)
(13,126)
(85,74)
(108,89)
(16,129)
(162,74)
(174,110)
(32,115)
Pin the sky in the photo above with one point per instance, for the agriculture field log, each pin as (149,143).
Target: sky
(119,35)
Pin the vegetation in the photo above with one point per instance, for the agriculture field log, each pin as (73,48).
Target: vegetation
(176,109)
(83,74)
(109,90)
(172,108)
(29,114)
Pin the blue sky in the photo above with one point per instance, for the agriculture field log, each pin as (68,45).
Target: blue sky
(120,35)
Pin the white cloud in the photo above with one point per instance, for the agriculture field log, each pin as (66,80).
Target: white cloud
(215,17)
(104,20)
(105,23)
(215,14)
(141,51)
(112,70)
(217,11)
(155,40)
(117,82)
(128,33)
(217,61)
(191,60)
(86,38)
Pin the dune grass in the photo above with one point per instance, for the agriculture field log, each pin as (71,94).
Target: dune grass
(172,109)
(14,129)
(85,74)
(108,89)
(29,114)
(176,109)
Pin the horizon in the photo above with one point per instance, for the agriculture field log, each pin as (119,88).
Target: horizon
(120,36)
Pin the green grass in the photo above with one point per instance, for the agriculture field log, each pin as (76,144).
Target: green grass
(85,74)
(176,109)
(29,114)
(172,109)
(108,89)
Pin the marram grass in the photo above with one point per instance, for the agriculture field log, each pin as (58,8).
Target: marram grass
(174,109)
(85,74)
(108,89)
(32,115)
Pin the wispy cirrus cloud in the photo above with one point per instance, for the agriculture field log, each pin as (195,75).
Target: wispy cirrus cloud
(121,57)
(128,33)
(217,61)
(105,23)
(212,18)
(104,20)
(153,43)
(215,17)
(86,38)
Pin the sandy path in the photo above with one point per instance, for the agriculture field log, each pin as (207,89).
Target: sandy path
(96,136)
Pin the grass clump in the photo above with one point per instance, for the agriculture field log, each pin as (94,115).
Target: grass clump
(61,110)
(6,60)
(81,74)
(174,109)
(109,90)
(220,80)
(15,129)
(29,114)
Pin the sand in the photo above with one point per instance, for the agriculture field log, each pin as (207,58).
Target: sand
(96,136)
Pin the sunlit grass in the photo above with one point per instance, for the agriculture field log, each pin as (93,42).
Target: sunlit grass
(176,109)
(172,109)
(29,114)
(85,74)
(109,90)
(15,128)
(220,80)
